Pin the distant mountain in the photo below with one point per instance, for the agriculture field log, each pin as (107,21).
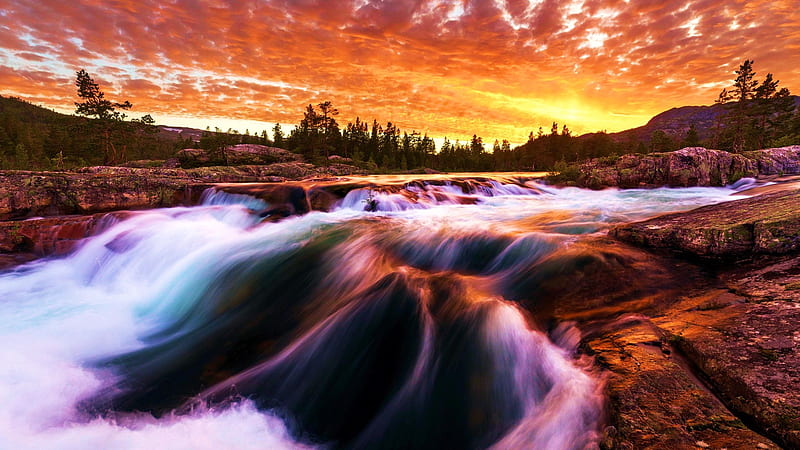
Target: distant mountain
(675,122)
(179,133)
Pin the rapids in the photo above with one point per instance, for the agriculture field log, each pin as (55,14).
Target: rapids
(401,327)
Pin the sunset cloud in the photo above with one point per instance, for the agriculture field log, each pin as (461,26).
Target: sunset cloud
(499,68)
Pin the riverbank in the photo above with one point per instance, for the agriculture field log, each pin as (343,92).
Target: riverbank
(735,331)
(691,166)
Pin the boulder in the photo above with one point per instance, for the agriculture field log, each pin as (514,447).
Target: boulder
(240,154)
(53,236)
(777,161)
(691,166)
(31,194)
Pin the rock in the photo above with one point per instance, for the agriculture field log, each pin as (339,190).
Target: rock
(691,166)
(53,236)
(102,189)
(749,350)
(144,163)
(30,194)
(240,154)
(192,157)
(171,163)
(776,161)
(654,401)
(697,166)
(339,159)
(765,224)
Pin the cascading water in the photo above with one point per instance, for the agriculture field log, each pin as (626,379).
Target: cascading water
(205,327)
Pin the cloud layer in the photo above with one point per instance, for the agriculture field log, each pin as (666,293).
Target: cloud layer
(499,68)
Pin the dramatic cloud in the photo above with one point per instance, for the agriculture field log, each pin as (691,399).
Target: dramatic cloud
(499,68)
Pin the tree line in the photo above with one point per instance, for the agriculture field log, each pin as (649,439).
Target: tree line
(750,114)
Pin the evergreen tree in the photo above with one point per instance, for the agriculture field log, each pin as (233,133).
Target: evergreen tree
(756,112)
(108,114)
(692,139)
(277,136)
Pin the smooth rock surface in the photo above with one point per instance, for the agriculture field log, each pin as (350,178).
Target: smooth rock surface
(764,224)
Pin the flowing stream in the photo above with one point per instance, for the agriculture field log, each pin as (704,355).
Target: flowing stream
(399,327)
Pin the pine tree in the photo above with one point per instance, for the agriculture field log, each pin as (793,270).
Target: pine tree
(107,113)
(692,139)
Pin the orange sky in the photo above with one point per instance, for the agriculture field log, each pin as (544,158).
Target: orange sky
(498,68)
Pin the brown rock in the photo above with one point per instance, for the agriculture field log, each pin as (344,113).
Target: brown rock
(52,235)
(655,402)
(748,349)
(765,224)
(691,166)
(777,161)
(240,154)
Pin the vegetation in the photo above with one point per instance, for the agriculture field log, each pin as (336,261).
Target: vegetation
(757,113)
(36,138)
(109,125)
(750,114)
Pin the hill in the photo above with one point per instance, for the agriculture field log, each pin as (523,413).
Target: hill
(33,137)
(675,123)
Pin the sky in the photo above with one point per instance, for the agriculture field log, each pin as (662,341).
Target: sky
(496,68)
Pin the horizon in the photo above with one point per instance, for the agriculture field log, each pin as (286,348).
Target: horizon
(497,69)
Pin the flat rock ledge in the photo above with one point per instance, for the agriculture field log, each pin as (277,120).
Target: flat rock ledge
(102,189)
(765,224)
(740,334)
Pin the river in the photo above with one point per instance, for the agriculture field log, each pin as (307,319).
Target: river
(395,320)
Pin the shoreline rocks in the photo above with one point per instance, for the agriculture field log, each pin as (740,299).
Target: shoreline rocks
(738,334)
(240,154)
(691,166)
(764,224)
(103,189)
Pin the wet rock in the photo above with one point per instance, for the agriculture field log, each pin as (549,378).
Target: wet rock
(30,194)
(740,336)
(765,224)
(52,236)
(749,350)
(100,189)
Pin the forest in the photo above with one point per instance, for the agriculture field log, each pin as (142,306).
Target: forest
(750,114)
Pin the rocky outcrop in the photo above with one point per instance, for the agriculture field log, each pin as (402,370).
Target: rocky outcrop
(776,161)
(655,401)
(101,189)
(53,236)
(693,166)
(681,351)
(31,194)
(740,333)
(765,224)
(743,339)
(240,154)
